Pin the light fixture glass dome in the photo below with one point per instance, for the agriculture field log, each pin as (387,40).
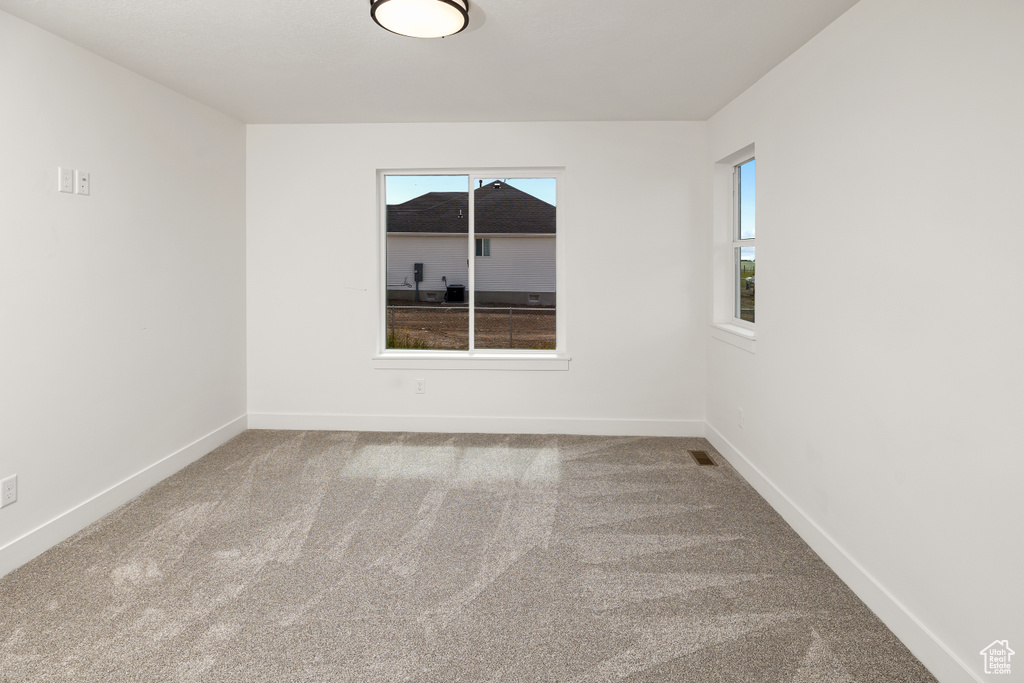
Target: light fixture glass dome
(421,18)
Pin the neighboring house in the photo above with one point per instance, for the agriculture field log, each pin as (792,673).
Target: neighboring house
(515,246)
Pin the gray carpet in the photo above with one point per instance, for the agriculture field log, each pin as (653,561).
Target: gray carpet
(351,556)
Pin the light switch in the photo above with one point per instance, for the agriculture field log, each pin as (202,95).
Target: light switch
(65,179)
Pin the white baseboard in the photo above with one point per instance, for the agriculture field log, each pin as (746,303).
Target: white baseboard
(924,644)
(476,425)
(42,538)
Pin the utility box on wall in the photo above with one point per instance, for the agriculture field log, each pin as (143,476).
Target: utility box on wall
(417,271)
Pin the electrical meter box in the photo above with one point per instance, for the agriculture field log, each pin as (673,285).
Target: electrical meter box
(417,269)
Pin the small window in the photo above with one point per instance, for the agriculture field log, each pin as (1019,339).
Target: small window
(483,247)
(744,234)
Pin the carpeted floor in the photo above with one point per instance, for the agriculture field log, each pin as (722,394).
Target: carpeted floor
(352,556)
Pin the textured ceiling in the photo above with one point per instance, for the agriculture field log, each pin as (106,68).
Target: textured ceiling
(299,61)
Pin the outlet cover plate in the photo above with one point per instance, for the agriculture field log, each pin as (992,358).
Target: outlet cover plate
(8,490)
(82,182)
(65,179)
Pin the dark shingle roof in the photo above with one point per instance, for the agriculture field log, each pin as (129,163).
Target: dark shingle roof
(500,209)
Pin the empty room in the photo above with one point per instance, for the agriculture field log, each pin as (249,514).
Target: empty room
(382,340)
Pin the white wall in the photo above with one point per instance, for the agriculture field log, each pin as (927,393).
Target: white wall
(122,316)
(635,307)
(886,396)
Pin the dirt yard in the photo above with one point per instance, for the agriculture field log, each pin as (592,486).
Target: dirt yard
(440,326)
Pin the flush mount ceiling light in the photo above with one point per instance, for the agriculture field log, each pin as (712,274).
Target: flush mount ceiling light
(421,18)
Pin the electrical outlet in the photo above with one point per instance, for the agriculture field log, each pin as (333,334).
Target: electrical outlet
(65,179)
(82,182)
(421,386)
(8,490)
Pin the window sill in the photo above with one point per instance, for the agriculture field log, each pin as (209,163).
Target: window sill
(740,337)
(443,360)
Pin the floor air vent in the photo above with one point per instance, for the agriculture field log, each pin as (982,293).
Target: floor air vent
(702,458)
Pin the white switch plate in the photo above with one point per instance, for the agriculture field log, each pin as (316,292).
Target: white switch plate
(8,490)
(81,182)
(65,179)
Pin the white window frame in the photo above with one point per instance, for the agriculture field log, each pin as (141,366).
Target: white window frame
(484,359)
(726,326)
(485,246)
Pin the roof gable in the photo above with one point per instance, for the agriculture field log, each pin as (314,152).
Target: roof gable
(431,212)
(500,209)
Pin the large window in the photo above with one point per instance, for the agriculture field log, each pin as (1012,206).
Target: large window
(744,233)
(470,262)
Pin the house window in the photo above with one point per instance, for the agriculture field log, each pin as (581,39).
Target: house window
(734,284)
(444,289)
(744,233)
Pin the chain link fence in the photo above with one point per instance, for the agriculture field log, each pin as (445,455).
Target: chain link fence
(447,327)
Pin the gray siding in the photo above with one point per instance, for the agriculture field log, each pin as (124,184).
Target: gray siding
(516,264)
(441,256)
